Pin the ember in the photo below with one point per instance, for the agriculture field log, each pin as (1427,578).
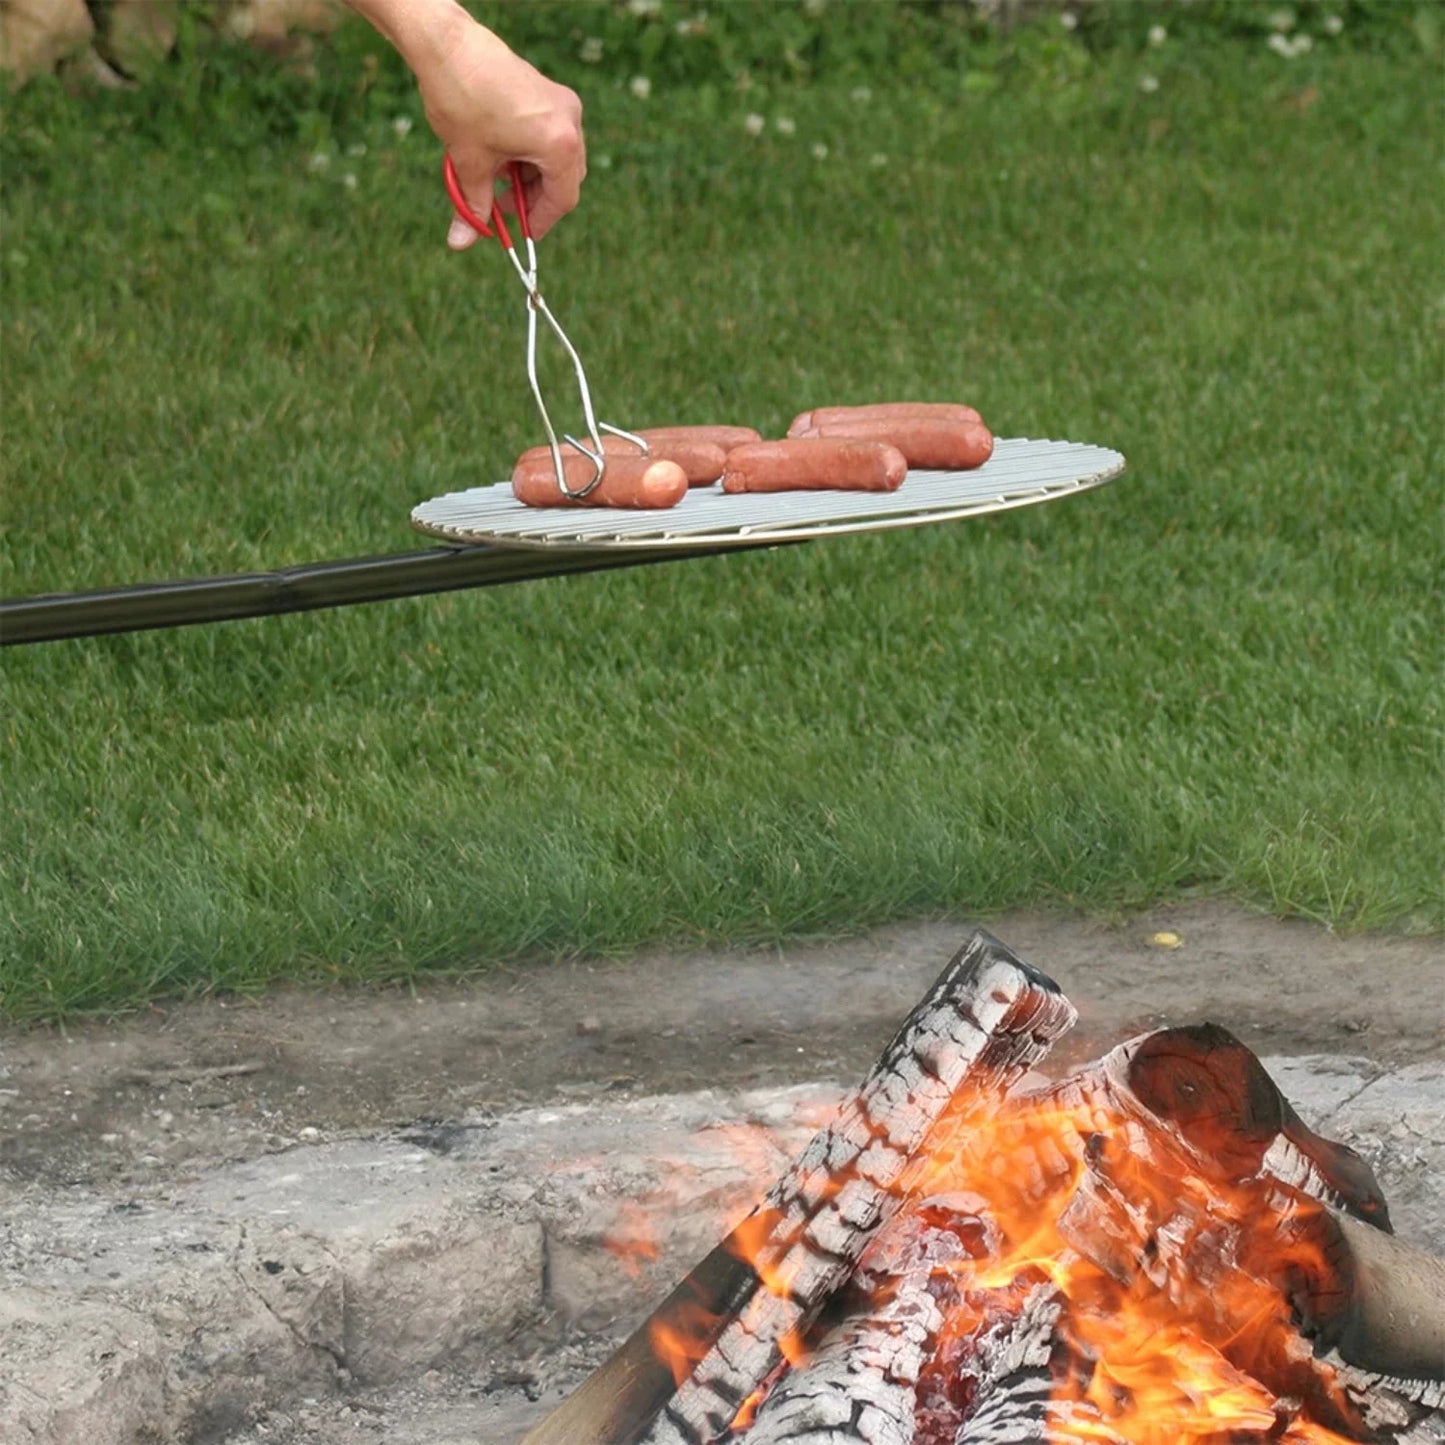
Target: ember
(1148,1252)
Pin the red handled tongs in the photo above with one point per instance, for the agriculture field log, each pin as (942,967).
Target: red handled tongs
(536,307)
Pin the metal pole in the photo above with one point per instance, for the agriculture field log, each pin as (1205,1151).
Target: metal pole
(52,616)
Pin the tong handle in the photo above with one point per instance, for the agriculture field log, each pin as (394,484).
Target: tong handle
(498,224)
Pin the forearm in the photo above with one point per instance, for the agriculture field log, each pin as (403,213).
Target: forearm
(423,31)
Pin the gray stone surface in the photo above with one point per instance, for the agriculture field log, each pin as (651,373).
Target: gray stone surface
(360,1262)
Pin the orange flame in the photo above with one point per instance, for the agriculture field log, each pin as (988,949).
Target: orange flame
(633,1239)
(1176,1284)
(683,1331)
(1172,1280)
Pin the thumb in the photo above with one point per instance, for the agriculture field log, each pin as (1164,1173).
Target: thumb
(477,180)
(460,235)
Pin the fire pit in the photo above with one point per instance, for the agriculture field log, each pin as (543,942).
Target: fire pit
(1152,1249)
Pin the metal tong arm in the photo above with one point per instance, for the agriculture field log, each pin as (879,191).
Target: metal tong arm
(537,305)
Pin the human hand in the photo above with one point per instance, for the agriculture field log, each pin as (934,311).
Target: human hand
(488,107)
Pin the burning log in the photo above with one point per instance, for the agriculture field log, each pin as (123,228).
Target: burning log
(987,1019)
(1380,1303)
(1018,1390)
(860,1383)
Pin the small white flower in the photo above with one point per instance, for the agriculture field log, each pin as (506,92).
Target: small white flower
(877,159)
(814,7)
(754,123)
(819,151)
(319,161)
(696,26)
(860,95)
(1068,20)
(1290,46)
(644,7)
(356,151)
(640,86)
(786,125)
(1281,21)
(401,127)
(1148,84)
(1157,36)
(349,181)
(602,162)
(591,51)
(1333,24)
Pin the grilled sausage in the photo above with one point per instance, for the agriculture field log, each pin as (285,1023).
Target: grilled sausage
(815,464)
(628,481)
(882,410)
(701,460)
(945,445)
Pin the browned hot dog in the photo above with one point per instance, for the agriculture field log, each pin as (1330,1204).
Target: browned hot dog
(815,464)
(637,482)
(701,460)
(882,410)
(945,445)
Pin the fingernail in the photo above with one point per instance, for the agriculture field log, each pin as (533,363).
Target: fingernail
(459,234)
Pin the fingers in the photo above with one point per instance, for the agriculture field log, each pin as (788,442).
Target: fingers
(555,185)
(506,198)
(548,201)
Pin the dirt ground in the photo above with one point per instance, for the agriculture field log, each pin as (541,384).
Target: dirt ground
(186,1086)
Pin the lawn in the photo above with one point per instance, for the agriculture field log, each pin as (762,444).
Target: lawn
(232,344)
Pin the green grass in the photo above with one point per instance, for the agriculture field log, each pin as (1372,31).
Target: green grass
(1220,675)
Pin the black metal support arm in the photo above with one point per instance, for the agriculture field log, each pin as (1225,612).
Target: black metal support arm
(53,616)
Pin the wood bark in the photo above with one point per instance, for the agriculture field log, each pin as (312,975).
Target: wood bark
(858,1386)
(860,1382)
(986,1020)
(1015,1379)
(1394,1321)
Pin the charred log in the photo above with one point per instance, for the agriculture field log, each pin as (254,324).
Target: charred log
(987,1019)
(1218,1095)
(858,1387)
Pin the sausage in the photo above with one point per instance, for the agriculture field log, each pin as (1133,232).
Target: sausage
(815,464)
(701,460)
(943,445)
(628,481)
(727,437)
(889,410)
